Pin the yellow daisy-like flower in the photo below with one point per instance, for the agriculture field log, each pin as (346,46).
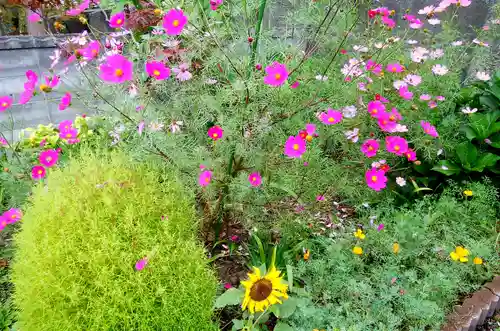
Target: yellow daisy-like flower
(468,193)
(359,234)
(395,248)
(477,260)
(263,291)
(357,250)
(460,254)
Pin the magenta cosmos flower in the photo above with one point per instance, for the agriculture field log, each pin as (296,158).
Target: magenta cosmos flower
(376,179)
(295,147)
(34,18)
(389,22)
(92,50)
(331,116)
(395,67)
(375,108)
(48,158)
(370,147)
(387,122)
(116,70)
(69,135)
(215,132)
(65,125)
(214,4)
(374,67)
(141,264)
(117,20)
(429,129)
(65,101)
(157,70)
(38,172)
(255,179)
(396,145)
(174,21)
(5,102)
(276,74)
(411,155)
(13,215)
(3,223)
(405,93)
(205,178)
(79,9)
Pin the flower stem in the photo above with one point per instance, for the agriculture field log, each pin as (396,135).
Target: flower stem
(262,8)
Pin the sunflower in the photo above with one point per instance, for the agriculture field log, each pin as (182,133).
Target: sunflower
(263,291)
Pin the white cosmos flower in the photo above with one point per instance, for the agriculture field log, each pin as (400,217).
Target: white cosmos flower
(352,135)
(359,48)
(322,78)
(211,81)
(413,80)
(436,54)
(481,75)
(349,111)
(427,10)
(439,69)
(467,110)
(419,54)
(480,43)
(434,21)
(400,181)
(412,42)
(399,84)
(457,43)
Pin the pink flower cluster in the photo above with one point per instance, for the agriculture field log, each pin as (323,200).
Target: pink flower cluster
(384,14)
(214,4)
(47,159)
(29,87)
(68,132)
(11,216)
(295,146)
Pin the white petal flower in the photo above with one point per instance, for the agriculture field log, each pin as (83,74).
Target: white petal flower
(427,10)
(400,181)
(480,43)
(436,54)
(352,135)
(321,78)
(349,111)
(412,42)
(439,69)
(399,84)
(457,43)
(359,48)
(481,75)
(434,21)
(467,110)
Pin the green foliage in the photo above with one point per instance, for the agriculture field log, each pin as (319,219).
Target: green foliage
(413,289)
(81,237)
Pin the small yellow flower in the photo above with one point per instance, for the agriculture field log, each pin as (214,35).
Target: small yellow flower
(477,260)
(460,254)
(307,253)
(158,12)
(468,193)
(359,234)
(357,250)
(395,248)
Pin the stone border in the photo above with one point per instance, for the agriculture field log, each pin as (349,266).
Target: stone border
(474,311)
(20,42)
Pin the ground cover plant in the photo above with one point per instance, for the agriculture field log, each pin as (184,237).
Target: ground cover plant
(290,133)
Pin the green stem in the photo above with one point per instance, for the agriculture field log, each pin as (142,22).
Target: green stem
(262,8)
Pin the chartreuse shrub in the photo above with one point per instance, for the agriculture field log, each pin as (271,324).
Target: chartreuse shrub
(110,245)
(407,287)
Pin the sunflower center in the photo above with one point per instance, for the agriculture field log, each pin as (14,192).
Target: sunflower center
(175,23)
(118,72)
(261,290)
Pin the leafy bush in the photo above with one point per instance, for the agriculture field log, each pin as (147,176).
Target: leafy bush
(81,237)
(410,290)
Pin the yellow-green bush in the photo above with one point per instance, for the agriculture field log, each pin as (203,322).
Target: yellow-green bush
(81,237)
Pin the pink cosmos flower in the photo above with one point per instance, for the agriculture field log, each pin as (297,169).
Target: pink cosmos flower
(227,286)
(295,85)
(140,127)
(416,24)
(387,121)
(32,76)
(276,74)
(396,145)
(205,178)
(78,9)
(34,17)
(440,98)
(432,104)
(48,158)
(116,70)
(395,67)
(65,125)
(157,70)
(92,50)
(425,97)
(215,132)
(174,21)
(117,20)
(3,223)
(38,172)
(13,215)
(320,198)
(310,129)
(295,147)
(182,72)
(141,264)
(429,129)
(69,135)
(376,179)
(411,155)
(405,93)
(389,22)
(375,108)
(370,147)
(380,227)
(332,116)
(5,102)
(65,101)
(413,80)
(255,179)
(374,67)
(214,4)
(25,96)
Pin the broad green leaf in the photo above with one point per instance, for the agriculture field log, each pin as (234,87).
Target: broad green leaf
(233,296)
(484,124)
(469,132)
(489,101)
(466,95)
(486,160)
(289,275)
(497,77)
(287,308)
(467,153)
(237,325)
(446,167)
(280,326)
(495,90)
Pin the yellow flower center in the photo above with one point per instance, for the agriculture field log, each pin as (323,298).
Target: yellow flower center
(254,179)
(295,146)
(331,119)
(175,23)
(468,193)
(277,76)
(261,290)
(4,104)
(44,88)
(156,73)
(119,21)
(49,158)
(118,72)
(374,111)
(397,148)
(94,52)
(207,179)
(40,171)
(370,148)
(374,178)
(157,12)
(392,118)
(394,69)
(68,135)
(215,135)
